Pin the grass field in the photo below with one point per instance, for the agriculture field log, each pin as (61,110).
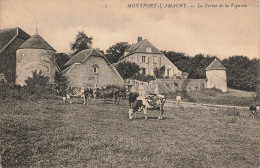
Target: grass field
(212,96)
(47,133)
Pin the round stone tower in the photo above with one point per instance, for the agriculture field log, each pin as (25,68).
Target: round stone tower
(216,76)
(35,54)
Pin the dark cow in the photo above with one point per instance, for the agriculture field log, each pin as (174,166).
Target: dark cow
(156,101)
(111,93)
(119,94)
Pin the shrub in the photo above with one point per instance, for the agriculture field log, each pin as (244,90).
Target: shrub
(144,78)
(61,83)
(38,85)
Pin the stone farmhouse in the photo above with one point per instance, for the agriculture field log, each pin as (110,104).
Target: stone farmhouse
(148,58)
(10,40)
(90,68)
(216,76)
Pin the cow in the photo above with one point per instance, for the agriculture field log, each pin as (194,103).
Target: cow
(119,94)
(136,103)
(83,93)
(115,93)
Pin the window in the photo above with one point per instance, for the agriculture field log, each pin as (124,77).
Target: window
(95,69)
(143,71)
(168,72)
(154,59)
(143,59)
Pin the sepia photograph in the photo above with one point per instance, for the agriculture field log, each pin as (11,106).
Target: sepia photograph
(129,83)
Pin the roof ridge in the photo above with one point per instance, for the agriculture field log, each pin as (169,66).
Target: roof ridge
(9,42)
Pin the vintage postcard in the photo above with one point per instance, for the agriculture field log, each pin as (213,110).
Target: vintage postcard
(129,83)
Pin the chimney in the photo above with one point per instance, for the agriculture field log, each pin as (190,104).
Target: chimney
(139,39)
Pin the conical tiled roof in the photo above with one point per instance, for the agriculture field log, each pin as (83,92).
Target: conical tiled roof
(36,42)
(215,65)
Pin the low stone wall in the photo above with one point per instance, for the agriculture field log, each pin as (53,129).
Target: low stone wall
(168,85)
(185,84)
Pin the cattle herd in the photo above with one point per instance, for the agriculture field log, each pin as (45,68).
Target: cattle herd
(136,104)
(156,102)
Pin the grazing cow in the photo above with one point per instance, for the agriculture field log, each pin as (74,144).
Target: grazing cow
(253,109)
(83,93)
(156,102)
(105,93)
(111,93)
(119,94)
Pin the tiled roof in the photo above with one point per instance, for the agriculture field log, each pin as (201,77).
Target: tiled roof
(141,47)
(36,42)
(215,65)
(7,35)
(83,55)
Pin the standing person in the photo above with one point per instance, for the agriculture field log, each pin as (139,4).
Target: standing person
(178,99)
(142,96)
(156,89)
(95,93)
(141,90)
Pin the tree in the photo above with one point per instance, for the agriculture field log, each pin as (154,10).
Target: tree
(194,66)
(127,69)
(81,42)
(242,73)
(114,52)
(61,59)
(159,72)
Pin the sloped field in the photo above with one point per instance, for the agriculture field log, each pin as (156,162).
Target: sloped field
(47,133)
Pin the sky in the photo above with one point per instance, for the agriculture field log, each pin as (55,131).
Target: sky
(196,27)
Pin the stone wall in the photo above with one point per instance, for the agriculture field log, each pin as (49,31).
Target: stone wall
(29,60)
(169,85)
(185,84)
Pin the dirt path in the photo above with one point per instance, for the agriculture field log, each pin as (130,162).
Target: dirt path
(207,105)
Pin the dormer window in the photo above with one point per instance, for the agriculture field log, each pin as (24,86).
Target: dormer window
(95,69)
(148,49)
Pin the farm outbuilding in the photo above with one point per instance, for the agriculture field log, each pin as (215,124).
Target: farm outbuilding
(216,76)
(35,55)
(90,68)
(10,40)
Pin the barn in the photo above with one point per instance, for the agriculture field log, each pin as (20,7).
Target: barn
(216,76)
(35,54)
(90,68)
(10,40)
